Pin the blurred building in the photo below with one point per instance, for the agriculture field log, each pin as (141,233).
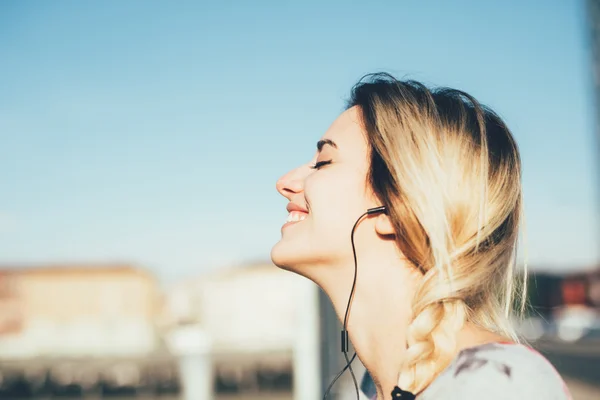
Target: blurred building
(551,291)
(10,315)
(251,314)
(77,311)
(247,309)
(564,307)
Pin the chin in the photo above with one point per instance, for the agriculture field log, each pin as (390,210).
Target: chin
(281,258)
(292,260)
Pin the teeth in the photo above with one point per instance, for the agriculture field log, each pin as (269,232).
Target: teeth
(296,216)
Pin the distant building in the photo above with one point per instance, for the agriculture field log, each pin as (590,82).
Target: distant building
(582,289)
(11,320)
(248,309)
(77,311)
(254,317)
(548,292)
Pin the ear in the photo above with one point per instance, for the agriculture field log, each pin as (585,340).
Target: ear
(383,225)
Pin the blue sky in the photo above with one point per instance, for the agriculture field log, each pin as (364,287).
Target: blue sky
(153,132)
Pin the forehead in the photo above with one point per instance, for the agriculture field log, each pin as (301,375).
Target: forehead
(347,132)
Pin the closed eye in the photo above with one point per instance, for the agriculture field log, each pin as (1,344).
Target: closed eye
(320,164)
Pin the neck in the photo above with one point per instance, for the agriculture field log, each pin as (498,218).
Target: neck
(379,316)
(378,319)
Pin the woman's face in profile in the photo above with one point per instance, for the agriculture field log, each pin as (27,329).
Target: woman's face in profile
(326,196)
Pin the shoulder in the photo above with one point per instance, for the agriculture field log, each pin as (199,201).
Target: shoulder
(498,371)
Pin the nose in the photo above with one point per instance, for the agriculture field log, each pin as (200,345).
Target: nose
(290,184)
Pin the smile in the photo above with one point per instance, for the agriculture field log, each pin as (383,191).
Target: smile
(294,217)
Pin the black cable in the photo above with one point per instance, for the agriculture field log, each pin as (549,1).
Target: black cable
(338,375)
(345,339)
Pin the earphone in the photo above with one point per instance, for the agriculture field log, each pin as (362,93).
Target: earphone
(345,338)
(397,393)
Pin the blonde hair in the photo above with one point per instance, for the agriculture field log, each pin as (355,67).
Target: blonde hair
(449,172)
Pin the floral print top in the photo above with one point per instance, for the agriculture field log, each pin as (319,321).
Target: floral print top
(493,371)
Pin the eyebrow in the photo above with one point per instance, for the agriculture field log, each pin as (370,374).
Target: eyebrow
(323,142)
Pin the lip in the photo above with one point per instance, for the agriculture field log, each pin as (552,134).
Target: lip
(295,207)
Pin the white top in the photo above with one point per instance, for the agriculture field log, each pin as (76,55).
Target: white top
(498,371)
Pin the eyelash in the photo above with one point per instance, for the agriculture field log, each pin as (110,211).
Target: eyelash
(320,164)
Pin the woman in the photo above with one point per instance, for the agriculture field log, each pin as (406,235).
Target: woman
(431,304)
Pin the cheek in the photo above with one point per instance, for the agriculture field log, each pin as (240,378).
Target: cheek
(338,202)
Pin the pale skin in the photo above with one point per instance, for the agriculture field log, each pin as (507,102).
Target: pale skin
(318,247)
